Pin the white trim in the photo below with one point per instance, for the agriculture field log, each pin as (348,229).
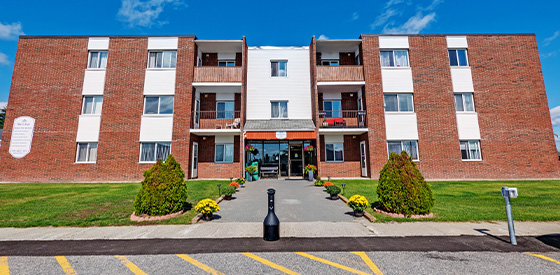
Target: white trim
(345,131)
(401,141)
(87,152)
(457,55)
(208,84)
(212,132)
(155,151)
(334,152)
(197,159)
(363,170)
(398,103)
(341,83)
(224,152)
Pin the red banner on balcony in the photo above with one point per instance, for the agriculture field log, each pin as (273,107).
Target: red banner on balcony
(275,135)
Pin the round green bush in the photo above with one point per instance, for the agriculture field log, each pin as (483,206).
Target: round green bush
(228,190)
(164,189)
(402,188)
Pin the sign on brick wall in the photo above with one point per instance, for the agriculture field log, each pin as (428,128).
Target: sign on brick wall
(22,136)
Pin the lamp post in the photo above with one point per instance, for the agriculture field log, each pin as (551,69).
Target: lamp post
(328,178)
(219,190)
(230,179)
(343,185)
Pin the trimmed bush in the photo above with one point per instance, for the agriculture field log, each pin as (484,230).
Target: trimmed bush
(333,190)
(164,189)
(228,190)
(402,188)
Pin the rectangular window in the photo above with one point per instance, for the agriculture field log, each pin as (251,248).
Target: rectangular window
(279,68)
(470,150)
(162,59)
(152,151)
(329,62)
(458,57)
(334,152)
(464,102)
(279,109)
(409,146)
(332,108)
(158,105)
(226,63)
(97,60)
(224,110)
(224,153)
(394,58)
(92,105)
(87,152)
(398,103)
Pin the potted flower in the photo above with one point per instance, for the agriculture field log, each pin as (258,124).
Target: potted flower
(333,190)
(250,170)
(241,181)
(206,207)
(327,184)
(228,191)
(309,148)
(358,204)
(249,148)
(309,170)
(319,182)
(234,184)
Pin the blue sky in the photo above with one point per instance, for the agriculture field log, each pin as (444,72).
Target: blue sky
(284,23)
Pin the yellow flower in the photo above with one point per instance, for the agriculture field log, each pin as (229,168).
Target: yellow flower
(207,206)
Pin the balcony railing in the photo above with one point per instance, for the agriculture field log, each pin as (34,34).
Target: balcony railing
(217,74)
(216,119)
(340,73)
(342,119)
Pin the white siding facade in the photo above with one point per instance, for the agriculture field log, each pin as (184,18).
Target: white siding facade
(155,128)
(401,126)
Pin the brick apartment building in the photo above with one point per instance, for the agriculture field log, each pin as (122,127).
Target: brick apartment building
(104,108)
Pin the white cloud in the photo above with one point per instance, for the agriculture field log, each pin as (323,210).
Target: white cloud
(555,116)
(549,40)
(3,105)
(322,37)
(414,24)
(10,31)
(4,59)
(355,16)
(392,3)
(138,13)
(383,18)
(550,54)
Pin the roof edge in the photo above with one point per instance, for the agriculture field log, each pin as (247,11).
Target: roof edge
(110,36)
(452,34)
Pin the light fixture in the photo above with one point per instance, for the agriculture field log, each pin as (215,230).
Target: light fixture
(343,185)
(203,138)
(219,190)
(329,178)
(205,95)
(230,179)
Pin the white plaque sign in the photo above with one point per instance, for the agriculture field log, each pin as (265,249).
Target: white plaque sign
(22,136)
(281,135)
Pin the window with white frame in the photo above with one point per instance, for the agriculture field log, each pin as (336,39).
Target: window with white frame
(279,68)
(226,63)
(162,59)
(331,62)
(334,152)
(464,102)
(470,150)
(458,57)
(97,60)
(92,105)
(398,103)
(158,105)
(409,146)
(394,58)
(223,153)
(225,109)
(279,109)
(332,108)
(86,152)
(152,151)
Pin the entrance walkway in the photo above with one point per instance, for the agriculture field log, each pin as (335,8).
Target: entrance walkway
(295,201)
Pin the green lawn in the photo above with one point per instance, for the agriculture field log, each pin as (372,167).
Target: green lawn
(476,200)
(84,204)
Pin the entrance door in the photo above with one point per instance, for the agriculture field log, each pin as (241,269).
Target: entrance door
(296,160)
(194,173)
(363,163)
(196,114)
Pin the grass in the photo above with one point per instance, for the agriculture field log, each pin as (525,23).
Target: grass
(84,204)
(476,200)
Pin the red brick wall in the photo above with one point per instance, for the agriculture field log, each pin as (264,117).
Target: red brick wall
(238,59)
(349,101)
(207,168)
(209,59)
(347,58)
(208,102)
(351,165)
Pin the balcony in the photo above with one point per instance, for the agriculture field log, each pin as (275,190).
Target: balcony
(217,74)
(340,73)
(342,119)
(217,119)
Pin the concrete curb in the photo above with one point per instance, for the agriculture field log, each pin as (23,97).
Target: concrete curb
(198,217)
(367,215)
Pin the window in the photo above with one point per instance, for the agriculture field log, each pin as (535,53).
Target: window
(279,109)
(394,58)
(332,108)
(279,68)
(158,105)
(87,152)
(398,103)
(334,152)
(409,146)
(464,102)
(152,151)
(92,105)
(226,63)
(333,62)
(97,60)
(224,153)
(470,150)
(163,59)
(458,58)
(224,109)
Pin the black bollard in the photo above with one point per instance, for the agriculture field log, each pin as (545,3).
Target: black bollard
(271,224)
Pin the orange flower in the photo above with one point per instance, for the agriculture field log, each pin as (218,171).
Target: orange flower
(328,183)
(234,184)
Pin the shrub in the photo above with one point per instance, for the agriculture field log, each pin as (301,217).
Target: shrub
(310,167)
(164,189)
(207,206)
(234,184)
(333,190)
(318,181)
(327,184)
(358,202)
(228,190)
(402,188)
(251,169)
(240,180)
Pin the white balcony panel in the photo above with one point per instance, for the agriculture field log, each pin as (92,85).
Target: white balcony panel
(467,126)
(457,42)
(163,43)
(401,126)
(397,80)
(462,79)
(225,96)
(88,128)
(332,96)
(159,82)
(98,43)
(334,139)
(393,42)
(154,128)
(223,139)
(227,56)
(94,82)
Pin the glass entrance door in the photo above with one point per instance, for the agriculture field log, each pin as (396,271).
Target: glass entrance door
(296,160)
